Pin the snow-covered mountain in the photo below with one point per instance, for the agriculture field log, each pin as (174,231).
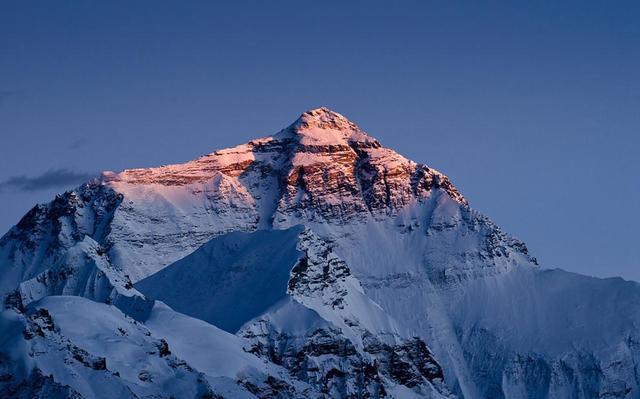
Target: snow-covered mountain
(311,263)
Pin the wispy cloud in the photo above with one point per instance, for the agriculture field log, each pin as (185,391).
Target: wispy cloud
(78,143)
(52,178)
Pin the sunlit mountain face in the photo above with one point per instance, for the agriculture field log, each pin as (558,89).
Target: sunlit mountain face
(311,263)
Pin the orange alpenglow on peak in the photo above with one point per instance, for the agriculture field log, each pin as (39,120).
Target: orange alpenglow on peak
(322,126)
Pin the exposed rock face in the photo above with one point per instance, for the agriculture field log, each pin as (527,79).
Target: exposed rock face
(334,365)
(337,172)
(319,273)
(36,386)
(390,285)
(45,234)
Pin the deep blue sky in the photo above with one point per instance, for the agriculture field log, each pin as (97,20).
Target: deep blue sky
(532,108)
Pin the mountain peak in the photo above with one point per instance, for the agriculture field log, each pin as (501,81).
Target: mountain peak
(323,126)
(324,117)
(322,161)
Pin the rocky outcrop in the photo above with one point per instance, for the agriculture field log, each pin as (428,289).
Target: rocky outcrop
(36,385)
(44,235)
(334,365)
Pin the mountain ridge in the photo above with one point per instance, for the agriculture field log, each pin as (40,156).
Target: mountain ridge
(315,131)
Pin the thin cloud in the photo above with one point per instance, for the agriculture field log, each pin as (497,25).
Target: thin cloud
(78,143)
(53,178)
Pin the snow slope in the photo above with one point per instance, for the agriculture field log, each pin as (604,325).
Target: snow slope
(93,350)
(243,272)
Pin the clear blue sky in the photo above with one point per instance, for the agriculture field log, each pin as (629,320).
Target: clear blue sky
(532,108)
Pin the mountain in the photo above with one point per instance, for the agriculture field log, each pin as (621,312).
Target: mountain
(311,263)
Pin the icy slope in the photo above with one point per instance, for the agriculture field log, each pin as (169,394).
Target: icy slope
(74,346)
(245,272)
(567,335)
